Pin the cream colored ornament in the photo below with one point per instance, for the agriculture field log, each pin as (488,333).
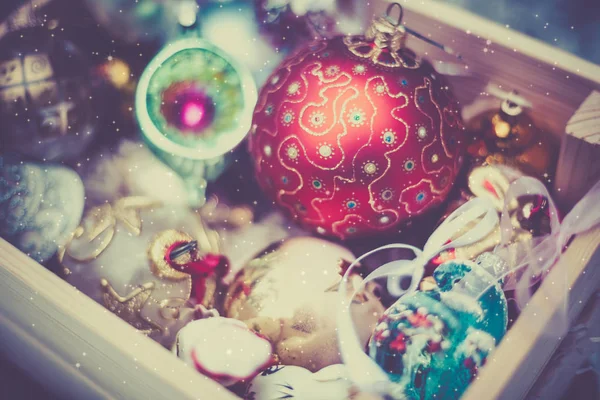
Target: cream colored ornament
(117,257)
(290,296)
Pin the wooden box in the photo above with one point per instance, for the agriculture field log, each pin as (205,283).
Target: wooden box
(82,351)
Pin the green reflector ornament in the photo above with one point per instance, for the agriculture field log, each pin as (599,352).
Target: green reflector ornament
(194,105)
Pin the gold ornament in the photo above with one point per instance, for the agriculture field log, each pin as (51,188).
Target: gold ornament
(118,74)
(290,296)
(490,183)
(508,136)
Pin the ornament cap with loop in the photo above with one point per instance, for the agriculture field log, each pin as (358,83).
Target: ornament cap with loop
(510,105)
(386,32)
(383,43)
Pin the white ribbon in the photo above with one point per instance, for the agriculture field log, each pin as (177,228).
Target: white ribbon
(363,371)
(537,259)
(441,239)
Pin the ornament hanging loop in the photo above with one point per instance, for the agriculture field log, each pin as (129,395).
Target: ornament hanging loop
(389,32)
(386,32)
(388,13)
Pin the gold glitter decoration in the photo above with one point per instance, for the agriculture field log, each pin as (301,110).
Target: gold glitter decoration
(157,250)
(389,51)
(129,307)
(100,224)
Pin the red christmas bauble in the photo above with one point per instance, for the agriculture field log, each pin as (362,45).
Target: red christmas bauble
(353,138)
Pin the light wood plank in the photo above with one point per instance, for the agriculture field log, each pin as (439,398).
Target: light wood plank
(529,344)
(44,365)
(577,172)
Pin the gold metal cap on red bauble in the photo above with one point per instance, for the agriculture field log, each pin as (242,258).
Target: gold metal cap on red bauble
(355,135)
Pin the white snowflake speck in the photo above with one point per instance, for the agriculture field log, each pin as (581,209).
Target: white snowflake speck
(384,220)
(267,150)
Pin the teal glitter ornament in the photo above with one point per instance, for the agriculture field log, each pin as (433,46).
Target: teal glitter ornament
(432,343)
(194,106)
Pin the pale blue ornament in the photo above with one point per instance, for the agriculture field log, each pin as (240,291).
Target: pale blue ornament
(40,205)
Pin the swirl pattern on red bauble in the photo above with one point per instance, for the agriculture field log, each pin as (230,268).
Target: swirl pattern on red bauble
(352,141)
